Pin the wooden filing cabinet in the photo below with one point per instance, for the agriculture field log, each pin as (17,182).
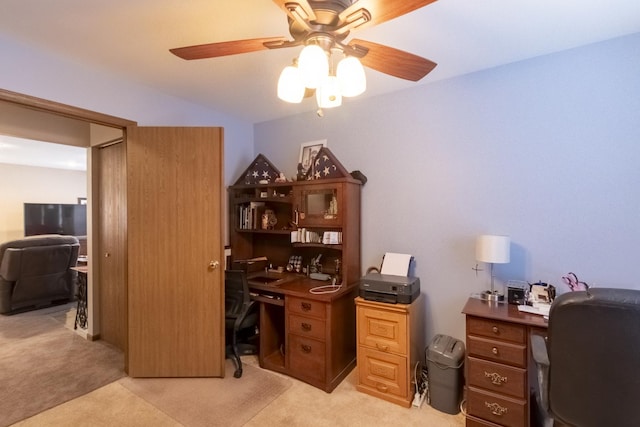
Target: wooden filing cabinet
(500,375)
(390,342)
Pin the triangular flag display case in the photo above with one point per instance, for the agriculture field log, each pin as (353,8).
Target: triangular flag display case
(325,166)
(261,169)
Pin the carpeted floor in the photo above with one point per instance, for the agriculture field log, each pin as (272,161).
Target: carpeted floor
(260,398)
(43,364)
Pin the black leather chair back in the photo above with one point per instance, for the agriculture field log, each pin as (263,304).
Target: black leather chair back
(236,292)
(594,358)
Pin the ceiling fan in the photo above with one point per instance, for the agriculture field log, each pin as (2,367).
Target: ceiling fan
(328,23)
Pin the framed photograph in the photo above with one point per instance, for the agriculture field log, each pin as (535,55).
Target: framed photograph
(308,151)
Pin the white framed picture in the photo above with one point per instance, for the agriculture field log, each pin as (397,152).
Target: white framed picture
(308,151)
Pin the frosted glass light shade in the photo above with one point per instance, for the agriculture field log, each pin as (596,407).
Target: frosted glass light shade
(493,249)
(290,86)
(351,75)
(328,94)
(314,65)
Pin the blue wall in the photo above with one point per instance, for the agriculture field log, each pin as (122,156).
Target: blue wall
(545,150)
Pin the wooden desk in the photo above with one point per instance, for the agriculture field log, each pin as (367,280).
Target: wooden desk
(500,374)
(81,295)
(308,336)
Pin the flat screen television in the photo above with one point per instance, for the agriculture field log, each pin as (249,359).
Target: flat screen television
(55,218)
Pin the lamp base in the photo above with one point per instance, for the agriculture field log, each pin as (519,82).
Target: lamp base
(492,296)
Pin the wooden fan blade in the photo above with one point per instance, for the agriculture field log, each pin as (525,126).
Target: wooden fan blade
(382,10)
(214,50)
(394,62)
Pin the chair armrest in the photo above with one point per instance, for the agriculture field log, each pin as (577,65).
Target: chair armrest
(539,350)
(541,358)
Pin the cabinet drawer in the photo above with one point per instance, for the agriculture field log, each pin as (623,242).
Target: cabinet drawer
(382,330)
(477,422)
(495,329)
(497,351)
(498,378)
(306,307)
(306,357)
(307,326)
(498,409)
(384,372)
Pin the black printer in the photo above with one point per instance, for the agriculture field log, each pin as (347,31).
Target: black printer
(389,288)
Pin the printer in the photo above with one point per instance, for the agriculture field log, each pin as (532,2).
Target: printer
(389,288)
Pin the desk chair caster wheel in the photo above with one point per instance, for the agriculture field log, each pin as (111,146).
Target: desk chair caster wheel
(238,373)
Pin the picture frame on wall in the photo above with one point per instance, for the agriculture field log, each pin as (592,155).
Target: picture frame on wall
(308,152)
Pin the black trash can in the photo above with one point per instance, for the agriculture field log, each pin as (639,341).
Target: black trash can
(445,358)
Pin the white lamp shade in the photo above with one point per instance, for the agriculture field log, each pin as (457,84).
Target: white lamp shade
(493,249)
(351,75)
(328,94)
(290,86)
(313,63)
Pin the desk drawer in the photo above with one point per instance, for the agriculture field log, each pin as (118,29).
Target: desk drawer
(495,329)
(497,378)
(382,330)
(497,351)
(306,357)
(498,409)
(306,307)
(307,326)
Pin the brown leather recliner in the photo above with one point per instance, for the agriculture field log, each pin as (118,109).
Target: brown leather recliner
(35,272)
(589,368)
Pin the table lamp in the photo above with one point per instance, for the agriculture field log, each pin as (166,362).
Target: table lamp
(493,250)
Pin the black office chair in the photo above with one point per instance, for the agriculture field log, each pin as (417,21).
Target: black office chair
(241,317)
(589,367)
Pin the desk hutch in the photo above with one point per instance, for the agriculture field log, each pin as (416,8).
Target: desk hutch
(305,335)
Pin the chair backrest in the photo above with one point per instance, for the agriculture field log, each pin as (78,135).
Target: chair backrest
(236,291)
(594,357)
(36,269)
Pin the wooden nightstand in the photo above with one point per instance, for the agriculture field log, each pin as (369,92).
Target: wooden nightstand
(390,342)
(499,372)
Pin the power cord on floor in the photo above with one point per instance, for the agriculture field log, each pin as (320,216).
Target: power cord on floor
(421,381)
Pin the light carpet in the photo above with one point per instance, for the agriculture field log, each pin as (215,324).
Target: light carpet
(200,402)
(43,364)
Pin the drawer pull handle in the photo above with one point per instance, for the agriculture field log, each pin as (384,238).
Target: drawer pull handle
(306,348)
(495,378)
(496,409)
(306,326)
(495,330)
(494,350)
(382,347)
(306,306)
(382,387)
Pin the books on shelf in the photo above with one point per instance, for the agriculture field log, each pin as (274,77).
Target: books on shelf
(250,215)
(303,235)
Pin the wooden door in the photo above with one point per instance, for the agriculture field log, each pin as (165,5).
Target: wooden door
(175,252)
(112,256)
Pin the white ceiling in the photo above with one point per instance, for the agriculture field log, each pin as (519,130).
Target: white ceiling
(28,152)
(133,38)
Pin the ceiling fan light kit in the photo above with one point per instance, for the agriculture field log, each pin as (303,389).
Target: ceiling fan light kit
(313,63)
(290,85)
(315,72)
(328,95)
(321,26)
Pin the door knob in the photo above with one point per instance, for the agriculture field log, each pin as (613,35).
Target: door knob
(107,254)
(213,265)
